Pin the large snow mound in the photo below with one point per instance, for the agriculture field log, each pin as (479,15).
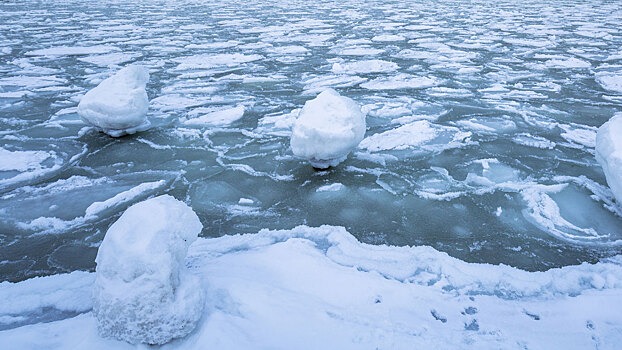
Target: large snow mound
(609,153)
(327,129)
(119,104)
(320,288)
(143,292)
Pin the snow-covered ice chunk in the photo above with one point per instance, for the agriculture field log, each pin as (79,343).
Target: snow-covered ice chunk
(220,117)
(609,153)
(22,160)
(119,104)
(327,129)
(610,81)
(400,81)
(364,67)
(143,292)
(388,38)
(419,134)
(73,50)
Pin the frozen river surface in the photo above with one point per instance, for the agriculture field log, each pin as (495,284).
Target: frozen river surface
(481,123)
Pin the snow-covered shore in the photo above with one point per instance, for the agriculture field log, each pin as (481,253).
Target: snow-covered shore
(319,288)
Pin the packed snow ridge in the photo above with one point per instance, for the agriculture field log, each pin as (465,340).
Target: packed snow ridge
(327,129)
(609,153)
(143,293)
(119,104)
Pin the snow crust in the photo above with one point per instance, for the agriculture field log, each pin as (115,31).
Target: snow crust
(119,104)
(143,293)
(609,153)
(335,292)
(327,129)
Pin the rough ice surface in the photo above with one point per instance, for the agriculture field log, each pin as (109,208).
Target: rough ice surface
(609,153)
(119,104)
(143,293)
(327,129)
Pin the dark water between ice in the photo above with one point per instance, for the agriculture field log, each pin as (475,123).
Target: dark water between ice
(508,90)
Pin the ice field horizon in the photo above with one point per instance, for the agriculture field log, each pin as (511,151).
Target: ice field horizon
(481,122)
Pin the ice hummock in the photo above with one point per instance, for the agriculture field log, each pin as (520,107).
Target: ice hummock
(143,293)
(609,153)
(119,104)
(327,129)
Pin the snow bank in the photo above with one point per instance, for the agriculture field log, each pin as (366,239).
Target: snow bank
(327,129)
(609,153)
(143,293)
(335,292)
(119,104)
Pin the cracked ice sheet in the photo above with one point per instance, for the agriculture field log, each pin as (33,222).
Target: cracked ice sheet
(419,134)
(338,292)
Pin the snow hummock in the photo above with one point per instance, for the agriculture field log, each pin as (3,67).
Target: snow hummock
(119,104)
(143,292)
(609,153)
(327,129)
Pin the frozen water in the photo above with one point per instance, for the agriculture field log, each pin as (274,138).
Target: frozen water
(447,87)
(143,292)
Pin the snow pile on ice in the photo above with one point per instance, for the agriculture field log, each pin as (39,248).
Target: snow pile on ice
(327,129)
(143,293)
(119,104)
(609,153)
